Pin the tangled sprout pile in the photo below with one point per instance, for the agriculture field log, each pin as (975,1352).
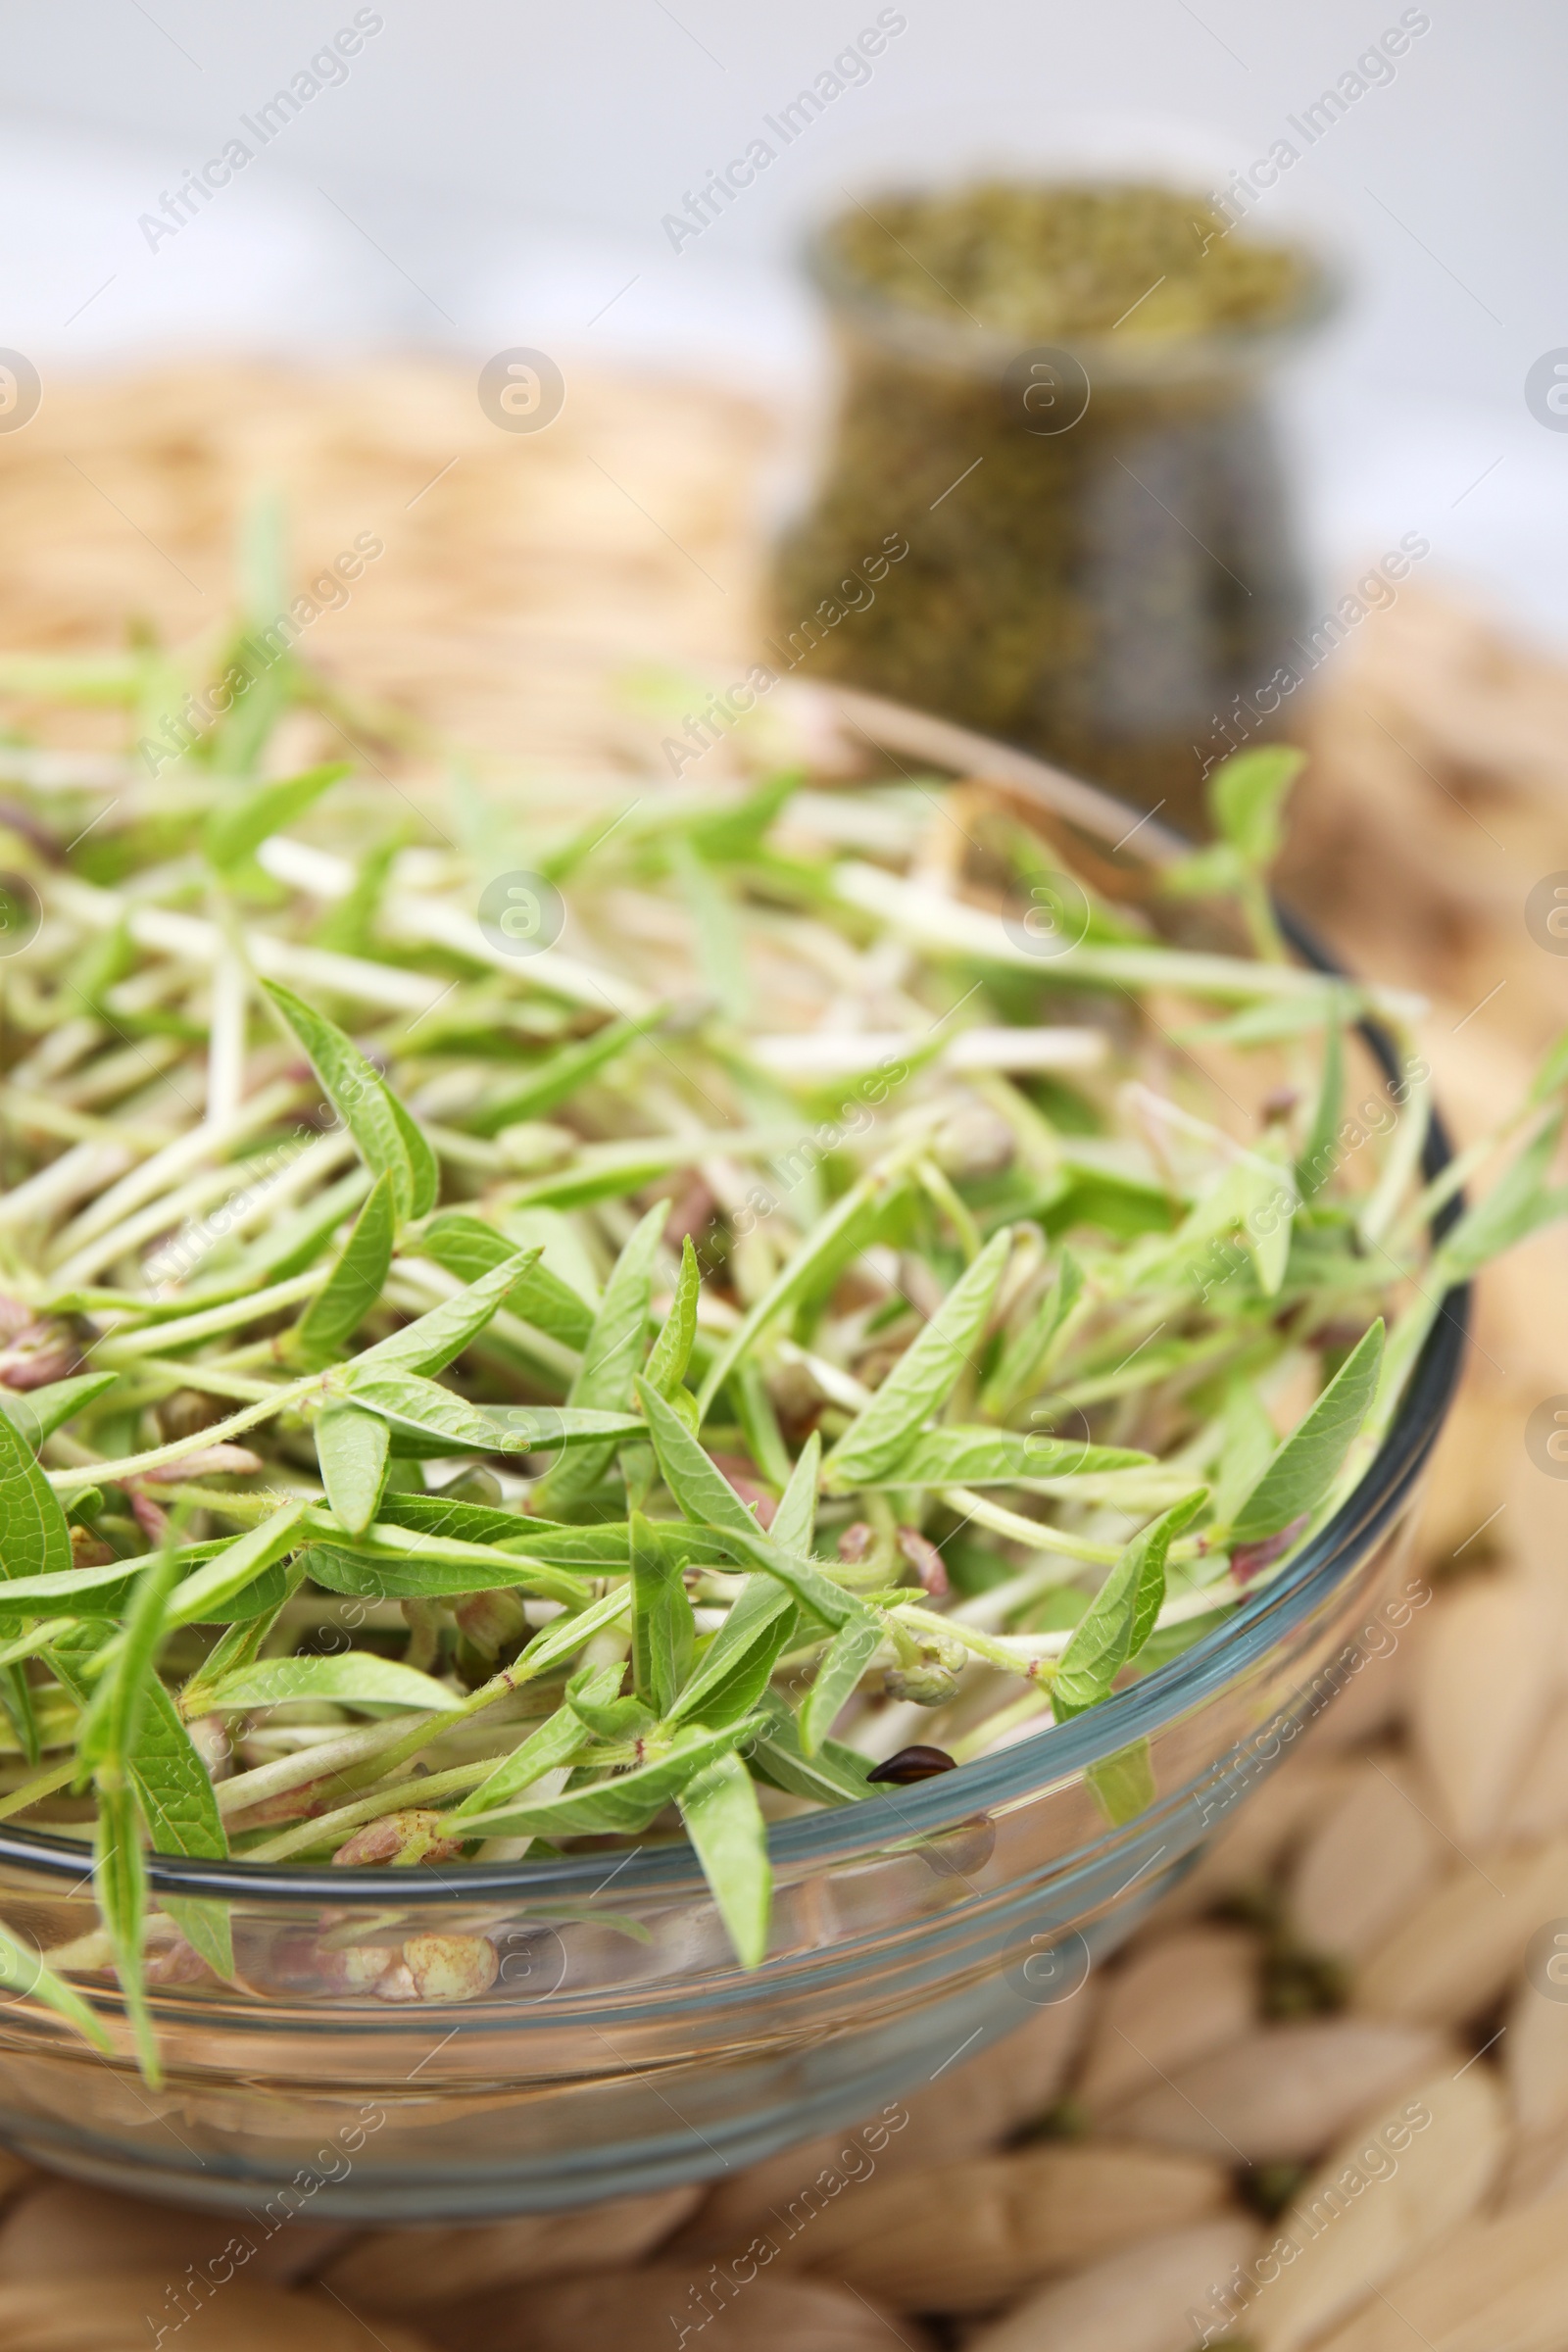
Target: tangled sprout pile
(643,1313)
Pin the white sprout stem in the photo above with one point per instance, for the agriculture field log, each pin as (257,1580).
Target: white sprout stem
(249,1510)
(225,1047)
(990,1610)
(163,1215)
(995,1728)
(46,1116)
(951,926)
(134,1465)
(206,1379)
(420,1284)
(176,1159)
(156,1338)
(846,1053)
(83,1170)
(390,1799)
(1017,1653)
(1030,1532)
(1402,1164)
(200,943)
(287,1773)
(437,924)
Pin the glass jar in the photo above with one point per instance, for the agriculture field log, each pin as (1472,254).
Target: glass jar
(1084,547)
(578,2030)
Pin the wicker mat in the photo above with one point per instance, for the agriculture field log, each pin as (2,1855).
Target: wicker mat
(1317,2102)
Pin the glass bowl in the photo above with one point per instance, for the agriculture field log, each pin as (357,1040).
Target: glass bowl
(616,2046)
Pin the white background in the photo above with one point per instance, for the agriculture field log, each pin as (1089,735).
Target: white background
(495,173)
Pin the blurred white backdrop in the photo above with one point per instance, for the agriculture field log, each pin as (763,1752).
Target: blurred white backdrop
(500,173)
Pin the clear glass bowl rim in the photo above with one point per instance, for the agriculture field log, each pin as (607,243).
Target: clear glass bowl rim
(1055,1755)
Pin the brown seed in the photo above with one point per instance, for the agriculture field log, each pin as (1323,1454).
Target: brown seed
(926,1560)
(175,1962)
(912,1764)
(309,1965)
(43,1353)
(415,1835)
(492,1621)
(451,1967)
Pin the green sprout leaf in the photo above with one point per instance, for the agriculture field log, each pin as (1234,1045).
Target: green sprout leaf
(39,1412)
(203,1596)
(831,1776)
(559,1740)
(794,1527)
(358,1679)
(237,826)
(120,1881)
(1247,796)
(1307,1463)
(437,1339)
(466,1245)
(34,1534)
(352,1446)
(844,1662)
(1518,1205)
(627,1803)
(664,1632)
(924,1377)
(354,1286)
(178,1807)
(557,1078)
(1122,1616)
(23,1976)
(611,1355)
(411,1402)
(992,1457)
(671,1351)
(724,1823)
(388,1142)
(734,1669)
